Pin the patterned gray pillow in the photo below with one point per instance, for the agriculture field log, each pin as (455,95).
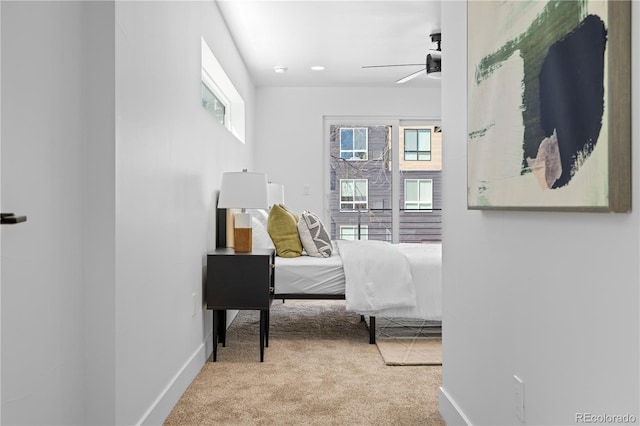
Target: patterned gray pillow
(314,236)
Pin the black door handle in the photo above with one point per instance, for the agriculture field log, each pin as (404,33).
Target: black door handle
(10,219)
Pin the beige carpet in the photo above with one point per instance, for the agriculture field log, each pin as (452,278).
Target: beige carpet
(319,369)
(409,342)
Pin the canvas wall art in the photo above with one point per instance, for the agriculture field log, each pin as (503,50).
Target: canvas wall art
(549,105)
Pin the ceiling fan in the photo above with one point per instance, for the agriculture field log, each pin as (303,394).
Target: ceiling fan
(432,65)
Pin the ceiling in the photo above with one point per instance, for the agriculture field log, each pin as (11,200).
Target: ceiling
(341,35)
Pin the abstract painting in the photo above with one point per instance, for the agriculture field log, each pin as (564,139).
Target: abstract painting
(548,111)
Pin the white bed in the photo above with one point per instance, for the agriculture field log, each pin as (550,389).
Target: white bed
(310,275)
(415,274)
(306,275)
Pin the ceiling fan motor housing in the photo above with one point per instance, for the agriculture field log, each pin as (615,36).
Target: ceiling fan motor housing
(433,64)
(433,61)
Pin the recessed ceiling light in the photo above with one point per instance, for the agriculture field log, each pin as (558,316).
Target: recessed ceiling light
(317,68)
(280,69)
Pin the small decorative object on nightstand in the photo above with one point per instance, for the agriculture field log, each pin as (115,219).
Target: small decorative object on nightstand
(242,281)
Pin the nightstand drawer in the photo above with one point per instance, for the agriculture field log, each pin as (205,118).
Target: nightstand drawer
(239,280)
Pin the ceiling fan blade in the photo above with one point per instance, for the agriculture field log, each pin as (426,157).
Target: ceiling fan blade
(411,76)
(396,65)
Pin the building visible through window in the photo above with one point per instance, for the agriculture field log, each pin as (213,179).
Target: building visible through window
(366,192)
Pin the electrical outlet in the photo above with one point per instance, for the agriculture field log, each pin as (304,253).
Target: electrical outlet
(518,387)
(193,297)
(306,189)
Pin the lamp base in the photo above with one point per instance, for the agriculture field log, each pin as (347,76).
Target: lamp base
(242,240)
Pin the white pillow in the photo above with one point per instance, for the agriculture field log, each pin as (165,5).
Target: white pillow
(259,214)
(314,236)
(260,238)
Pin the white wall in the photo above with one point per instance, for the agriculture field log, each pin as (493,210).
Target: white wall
(42,168)
(289,130)
(106,149)
(0,210)
(170,155)
(550,297)
(98,214)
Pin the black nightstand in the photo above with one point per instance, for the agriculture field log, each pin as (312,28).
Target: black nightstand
(242,281)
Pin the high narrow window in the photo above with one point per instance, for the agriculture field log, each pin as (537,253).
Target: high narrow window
(417,144)
(219,95)
(354,143)
(354,194)
(213,104)
(418,194)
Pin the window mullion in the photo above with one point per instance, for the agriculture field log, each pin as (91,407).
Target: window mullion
(395,181)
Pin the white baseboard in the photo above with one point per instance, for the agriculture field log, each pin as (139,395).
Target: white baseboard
(450,411)
(162,406)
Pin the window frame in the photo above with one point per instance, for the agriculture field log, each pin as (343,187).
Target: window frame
(354,201)
(208,82)
(417,151)
(214,77)
(353,151)
(418,201)
(364,228)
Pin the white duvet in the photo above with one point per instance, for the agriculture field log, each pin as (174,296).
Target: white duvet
(379,278)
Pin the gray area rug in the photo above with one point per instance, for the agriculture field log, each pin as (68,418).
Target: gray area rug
(409,341)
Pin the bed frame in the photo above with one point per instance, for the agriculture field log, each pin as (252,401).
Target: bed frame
(223,225)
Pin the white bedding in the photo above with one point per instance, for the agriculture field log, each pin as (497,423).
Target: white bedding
(378,277)
(426,269)
(311,275)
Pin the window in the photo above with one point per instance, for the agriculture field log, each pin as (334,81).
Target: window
(219,95)
(354,144)
(213,104)
(417,144)
(373,192)
(418,194)
(350,232)
(354,194)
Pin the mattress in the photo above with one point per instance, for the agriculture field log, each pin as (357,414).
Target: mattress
(309,275)
(325,276)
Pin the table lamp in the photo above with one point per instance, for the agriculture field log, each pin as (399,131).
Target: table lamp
(243,190)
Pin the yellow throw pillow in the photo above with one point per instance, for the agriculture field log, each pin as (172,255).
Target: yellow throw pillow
(282,226)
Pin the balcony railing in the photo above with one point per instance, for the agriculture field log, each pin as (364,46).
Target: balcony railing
(416,226)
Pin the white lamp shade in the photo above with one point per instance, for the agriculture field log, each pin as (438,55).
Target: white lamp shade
(243,190)
(275,193)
